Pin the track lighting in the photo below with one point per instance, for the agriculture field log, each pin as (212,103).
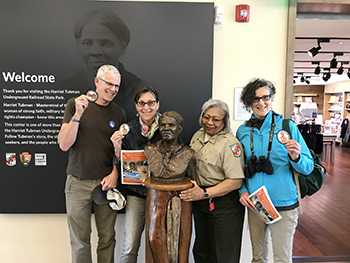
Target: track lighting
(340,69)
(302,78)
(319,67)
(326,76)
(314,51)
(317,70)
(333,63)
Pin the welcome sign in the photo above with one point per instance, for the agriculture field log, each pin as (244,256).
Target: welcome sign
(43,64)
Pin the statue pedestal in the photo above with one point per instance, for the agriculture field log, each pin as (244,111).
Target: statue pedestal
(168,222)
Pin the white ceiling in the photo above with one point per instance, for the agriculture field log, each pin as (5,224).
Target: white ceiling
(325,25)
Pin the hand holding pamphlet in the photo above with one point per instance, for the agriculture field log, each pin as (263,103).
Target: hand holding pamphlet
(264,208)
(134,167)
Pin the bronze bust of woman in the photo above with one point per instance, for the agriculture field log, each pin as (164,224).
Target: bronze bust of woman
(167,159)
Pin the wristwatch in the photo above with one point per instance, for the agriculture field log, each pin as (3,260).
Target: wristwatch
(206,195)
(74,120)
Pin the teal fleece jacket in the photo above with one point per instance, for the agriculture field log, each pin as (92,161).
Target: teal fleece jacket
(280,185)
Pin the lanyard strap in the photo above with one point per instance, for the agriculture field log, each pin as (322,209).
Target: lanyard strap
(270,139)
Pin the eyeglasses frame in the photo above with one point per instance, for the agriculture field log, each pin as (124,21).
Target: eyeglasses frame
(110,84)
(153,102)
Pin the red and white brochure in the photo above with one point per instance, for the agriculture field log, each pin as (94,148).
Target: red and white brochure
(134,167)
(264,208)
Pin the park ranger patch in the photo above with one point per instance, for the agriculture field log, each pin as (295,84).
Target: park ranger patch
(236,150)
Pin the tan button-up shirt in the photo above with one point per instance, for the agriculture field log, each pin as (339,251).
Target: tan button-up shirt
(220,158)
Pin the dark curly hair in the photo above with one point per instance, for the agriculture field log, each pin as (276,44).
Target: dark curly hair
(248,93)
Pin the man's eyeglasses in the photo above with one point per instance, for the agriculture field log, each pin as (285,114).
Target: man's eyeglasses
(264,98)
(111,85)
(214,120)
(150,103)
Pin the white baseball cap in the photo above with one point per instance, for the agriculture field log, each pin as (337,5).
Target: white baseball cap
(112,197)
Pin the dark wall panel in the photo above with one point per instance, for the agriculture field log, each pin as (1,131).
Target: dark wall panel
(171,49)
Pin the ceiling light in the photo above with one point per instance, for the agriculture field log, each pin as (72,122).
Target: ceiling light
(340,69)
(333,63)
(307,81)
(326,76)
(314,51)
(317,70)
(302,79)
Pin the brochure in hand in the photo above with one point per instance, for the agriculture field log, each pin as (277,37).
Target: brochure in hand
(134,167)
(264,208)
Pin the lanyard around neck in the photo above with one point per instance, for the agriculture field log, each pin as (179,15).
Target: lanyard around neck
(270,139)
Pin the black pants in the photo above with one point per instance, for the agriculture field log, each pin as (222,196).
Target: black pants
(218,232)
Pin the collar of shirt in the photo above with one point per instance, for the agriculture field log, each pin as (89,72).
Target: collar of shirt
(205,138)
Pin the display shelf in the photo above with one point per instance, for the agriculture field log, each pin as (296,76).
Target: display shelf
(304,102)
(305,95)
(347,101)
(334,116)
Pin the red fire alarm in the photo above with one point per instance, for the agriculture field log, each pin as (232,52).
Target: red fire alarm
(242,13)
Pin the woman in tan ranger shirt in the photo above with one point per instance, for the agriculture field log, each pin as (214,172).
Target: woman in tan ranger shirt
(217,173)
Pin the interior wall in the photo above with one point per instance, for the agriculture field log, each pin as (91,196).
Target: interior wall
(318,90)
(335,87)
(241,51)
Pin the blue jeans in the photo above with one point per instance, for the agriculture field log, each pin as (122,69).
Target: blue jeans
(134,226)
(79,203)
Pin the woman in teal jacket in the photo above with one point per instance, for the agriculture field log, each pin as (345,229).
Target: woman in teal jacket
(269,163)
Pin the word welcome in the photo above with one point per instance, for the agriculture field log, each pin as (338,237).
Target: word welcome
(14,77)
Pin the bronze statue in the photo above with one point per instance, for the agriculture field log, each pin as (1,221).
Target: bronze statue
(168,219)
(167,159)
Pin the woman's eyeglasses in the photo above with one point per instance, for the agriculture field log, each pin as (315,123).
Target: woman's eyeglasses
(150,103)
(264,98)
(214,120)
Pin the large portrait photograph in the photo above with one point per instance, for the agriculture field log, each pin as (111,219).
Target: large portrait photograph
(50,52)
